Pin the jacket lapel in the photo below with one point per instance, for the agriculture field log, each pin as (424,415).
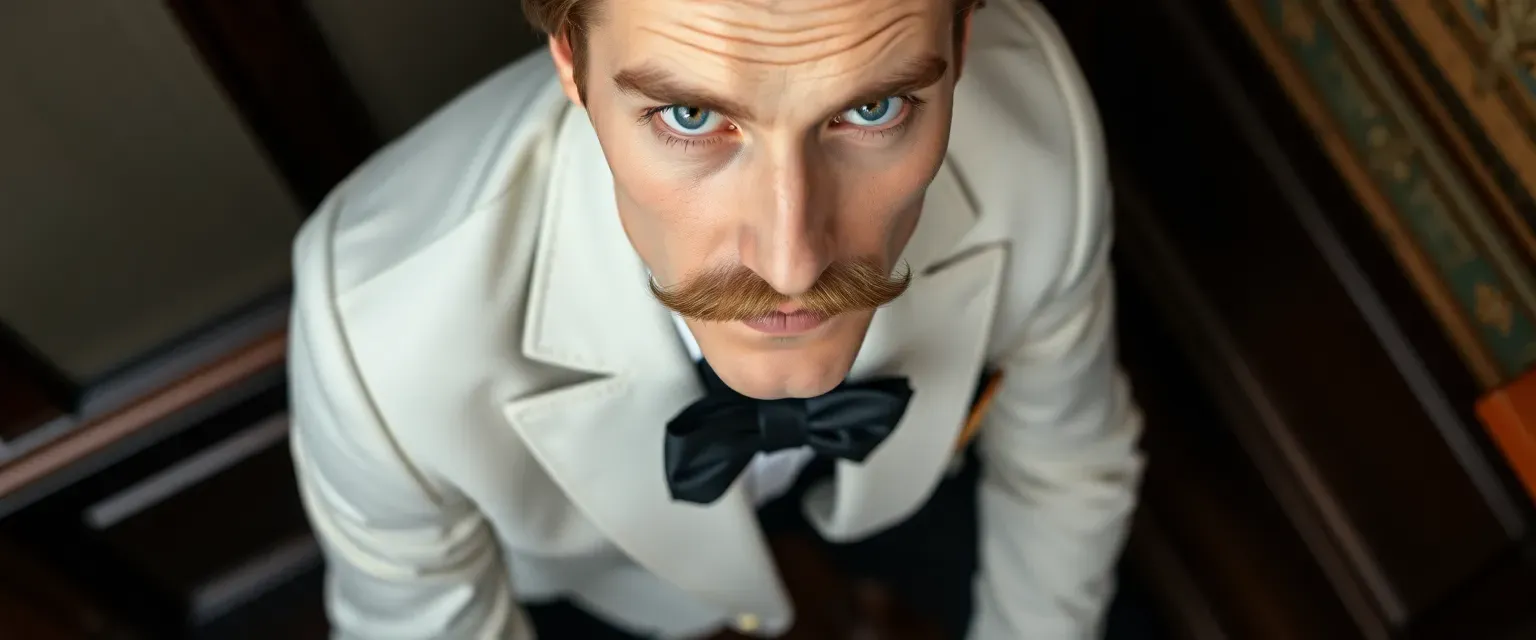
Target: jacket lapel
(936,335)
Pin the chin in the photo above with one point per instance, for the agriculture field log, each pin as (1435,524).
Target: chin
(771,374)
(768,369)
(774,385)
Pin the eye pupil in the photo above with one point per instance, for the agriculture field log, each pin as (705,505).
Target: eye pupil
(691,118)
(874,110)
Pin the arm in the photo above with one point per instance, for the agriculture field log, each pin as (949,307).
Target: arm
(1061,467)
(404,560)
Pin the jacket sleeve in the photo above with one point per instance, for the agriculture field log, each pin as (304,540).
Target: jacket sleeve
(1060,446)
(1061,466)
(404,560)
(1060,473)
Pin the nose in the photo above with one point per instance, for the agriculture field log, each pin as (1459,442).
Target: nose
(787,240)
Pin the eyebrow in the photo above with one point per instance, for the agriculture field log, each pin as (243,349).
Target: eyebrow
(656,83)
(661,85)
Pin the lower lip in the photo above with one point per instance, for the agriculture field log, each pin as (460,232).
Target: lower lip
(786,323)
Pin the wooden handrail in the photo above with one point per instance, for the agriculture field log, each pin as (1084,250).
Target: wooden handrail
(259,355)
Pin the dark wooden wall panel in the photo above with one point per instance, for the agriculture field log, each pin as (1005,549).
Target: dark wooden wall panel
(272,61)
(1327,368)
(32,391)
(1199,495)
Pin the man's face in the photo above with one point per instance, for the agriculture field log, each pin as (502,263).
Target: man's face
(770,159)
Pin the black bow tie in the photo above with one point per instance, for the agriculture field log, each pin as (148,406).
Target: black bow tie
(714,439)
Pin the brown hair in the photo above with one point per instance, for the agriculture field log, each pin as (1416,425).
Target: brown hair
(573,19)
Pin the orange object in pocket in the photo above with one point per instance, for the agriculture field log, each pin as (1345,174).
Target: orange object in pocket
(979,405)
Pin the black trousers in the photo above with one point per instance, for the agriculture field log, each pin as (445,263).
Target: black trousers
(928,561)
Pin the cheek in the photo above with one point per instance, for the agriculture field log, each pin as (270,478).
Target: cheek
(661,213)
(879,214)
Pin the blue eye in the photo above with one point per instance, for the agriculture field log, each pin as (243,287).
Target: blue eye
(690,121)
(875,114)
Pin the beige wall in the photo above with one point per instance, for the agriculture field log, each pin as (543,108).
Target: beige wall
(133,205)
(407,57)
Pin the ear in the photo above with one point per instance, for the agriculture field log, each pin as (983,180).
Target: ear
(565,65)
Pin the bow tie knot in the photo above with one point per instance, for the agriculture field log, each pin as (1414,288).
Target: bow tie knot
(781,424)
(711,441)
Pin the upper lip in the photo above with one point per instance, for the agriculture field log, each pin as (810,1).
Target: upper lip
(790,308)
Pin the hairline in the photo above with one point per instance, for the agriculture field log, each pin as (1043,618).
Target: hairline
(574,19)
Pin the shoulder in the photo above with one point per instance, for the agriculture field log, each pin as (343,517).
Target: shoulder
(417,259)
(424,185)
(1027,145)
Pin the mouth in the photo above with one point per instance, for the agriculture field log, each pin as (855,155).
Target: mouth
(782,323)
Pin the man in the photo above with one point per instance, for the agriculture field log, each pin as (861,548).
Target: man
(569,353)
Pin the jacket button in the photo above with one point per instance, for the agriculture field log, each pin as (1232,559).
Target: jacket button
(747,623)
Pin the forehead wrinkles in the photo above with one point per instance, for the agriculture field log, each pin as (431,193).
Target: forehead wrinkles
(782,33)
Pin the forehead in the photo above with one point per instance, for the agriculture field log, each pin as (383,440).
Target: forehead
(761,46)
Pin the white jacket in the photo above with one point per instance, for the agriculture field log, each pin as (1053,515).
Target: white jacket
(480,378)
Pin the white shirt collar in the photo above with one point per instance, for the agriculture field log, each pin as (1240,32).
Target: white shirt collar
(688,341)
(684,332)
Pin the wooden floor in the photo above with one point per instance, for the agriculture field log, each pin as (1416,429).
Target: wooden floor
(292,612)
